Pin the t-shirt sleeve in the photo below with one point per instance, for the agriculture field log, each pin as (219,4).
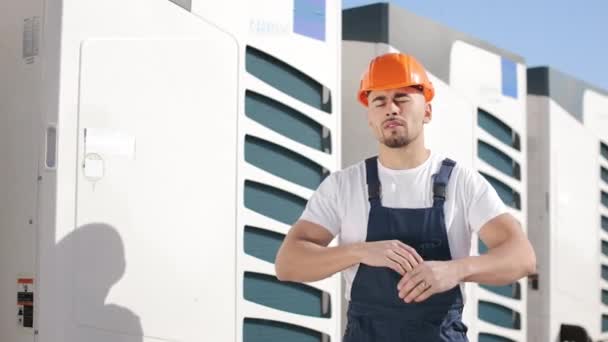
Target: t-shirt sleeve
(322,208)
(481,200)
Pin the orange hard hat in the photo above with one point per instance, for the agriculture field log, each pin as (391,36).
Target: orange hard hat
(394,70)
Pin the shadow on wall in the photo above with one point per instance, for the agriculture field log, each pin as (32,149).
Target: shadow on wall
(98,258)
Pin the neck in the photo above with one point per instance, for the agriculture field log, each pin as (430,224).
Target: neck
(402,158)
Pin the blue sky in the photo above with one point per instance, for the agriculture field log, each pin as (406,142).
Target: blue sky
(571,36)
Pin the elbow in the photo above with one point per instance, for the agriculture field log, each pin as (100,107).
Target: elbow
(285,274)
(529,267)
(282,269)
(284,266)
(281,272)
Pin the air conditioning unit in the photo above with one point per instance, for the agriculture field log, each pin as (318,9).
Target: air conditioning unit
(130,134)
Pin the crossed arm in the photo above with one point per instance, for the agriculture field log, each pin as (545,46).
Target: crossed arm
(305,256)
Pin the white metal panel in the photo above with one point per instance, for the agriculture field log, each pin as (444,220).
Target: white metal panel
(270,28)
(477,74)
(21,25)
(317,58)
(539,220)
(575,242)
(167,201)
(452,126)
(474,71)
(70,23)
(595,113)
(595,118)
(228,15)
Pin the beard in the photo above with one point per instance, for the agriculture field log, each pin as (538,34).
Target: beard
(395,140)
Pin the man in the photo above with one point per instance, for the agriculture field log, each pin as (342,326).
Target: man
(405,220)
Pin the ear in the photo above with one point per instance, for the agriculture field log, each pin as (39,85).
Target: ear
(428,113)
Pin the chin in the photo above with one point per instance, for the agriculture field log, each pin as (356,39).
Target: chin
(395,143)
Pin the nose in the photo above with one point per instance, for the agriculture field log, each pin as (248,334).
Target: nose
(393,110)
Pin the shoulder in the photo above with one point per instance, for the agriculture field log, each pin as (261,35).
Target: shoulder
(463,177)
(342,180)
(468,183)
(457,170)
(350,174)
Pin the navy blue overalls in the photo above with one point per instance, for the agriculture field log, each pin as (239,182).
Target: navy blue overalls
(376,313)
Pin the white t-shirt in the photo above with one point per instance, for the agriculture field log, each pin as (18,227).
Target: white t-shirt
(340,204)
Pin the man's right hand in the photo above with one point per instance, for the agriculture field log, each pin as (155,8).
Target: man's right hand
(393,254)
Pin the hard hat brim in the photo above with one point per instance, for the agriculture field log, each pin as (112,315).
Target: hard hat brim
(428,92)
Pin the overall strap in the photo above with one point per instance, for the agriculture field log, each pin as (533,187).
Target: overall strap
(374,190)
(440,181)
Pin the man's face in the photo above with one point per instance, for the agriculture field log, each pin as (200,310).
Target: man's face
(396,116)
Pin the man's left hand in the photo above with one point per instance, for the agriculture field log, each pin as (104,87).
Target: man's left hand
(428,278)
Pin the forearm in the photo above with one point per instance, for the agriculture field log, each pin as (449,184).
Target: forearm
(305,261)
(502,265)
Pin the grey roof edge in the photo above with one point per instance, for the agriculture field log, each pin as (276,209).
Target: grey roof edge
(367,23)
(564,89)
(548,71)
(379,23)
(538,81)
